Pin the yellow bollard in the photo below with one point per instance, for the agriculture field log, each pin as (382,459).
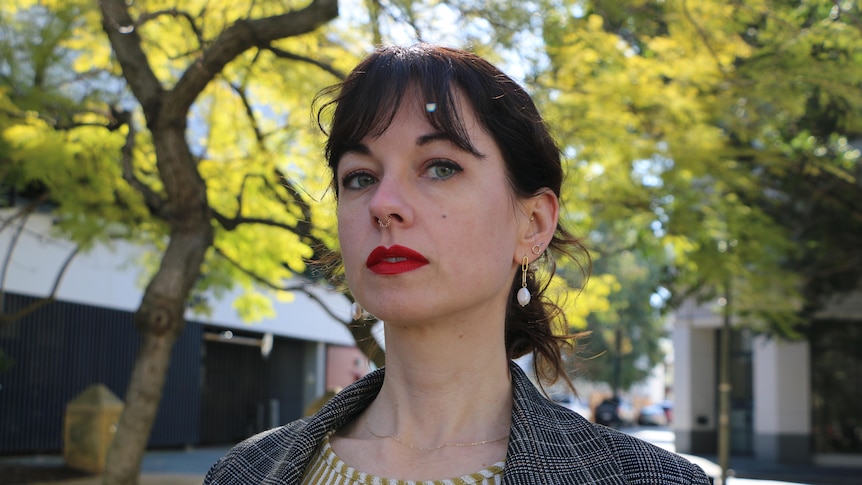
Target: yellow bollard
(90,423)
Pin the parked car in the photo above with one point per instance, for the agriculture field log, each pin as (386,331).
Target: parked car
(652,415)
(569,400)
(608,414)
(615,413)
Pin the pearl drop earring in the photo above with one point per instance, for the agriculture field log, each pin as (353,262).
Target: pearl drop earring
(524,294)
(356,311)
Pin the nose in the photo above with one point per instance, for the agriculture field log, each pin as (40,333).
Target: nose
(390,204)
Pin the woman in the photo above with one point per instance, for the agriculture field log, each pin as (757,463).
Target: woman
(447,183)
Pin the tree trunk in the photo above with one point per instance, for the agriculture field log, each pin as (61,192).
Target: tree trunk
(160,321)
(183,205)
(160,318)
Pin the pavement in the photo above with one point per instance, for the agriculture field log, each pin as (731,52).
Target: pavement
(160,467)
(745,470)
(189,466)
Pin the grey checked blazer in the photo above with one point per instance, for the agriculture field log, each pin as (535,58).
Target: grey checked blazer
(548,444)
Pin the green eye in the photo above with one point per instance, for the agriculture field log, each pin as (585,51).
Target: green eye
(358,180)
(443,169)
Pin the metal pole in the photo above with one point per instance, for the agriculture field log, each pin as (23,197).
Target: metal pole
(724,389)
(618,350)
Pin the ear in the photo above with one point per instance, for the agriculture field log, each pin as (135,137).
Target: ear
(541,212)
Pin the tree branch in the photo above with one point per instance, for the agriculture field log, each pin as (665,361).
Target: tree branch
(702,34)
(58,125)
(25,211)
(249,111)
(153,200)
(374,8)
(360,331)
(283,54)
(238,38)
(842,13)
(302,288)
(120,28)
(303,225)
(231,223)
(12,244)
(174,12)
(4,318)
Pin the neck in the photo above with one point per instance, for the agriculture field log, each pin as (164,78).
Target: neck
(442,390)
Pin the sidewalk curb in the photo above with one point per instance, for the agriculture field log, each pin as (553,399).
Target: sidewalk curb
(143,479)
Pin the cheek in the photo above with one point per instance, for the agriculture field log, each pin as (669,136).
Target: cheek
(496,228)
(347,237)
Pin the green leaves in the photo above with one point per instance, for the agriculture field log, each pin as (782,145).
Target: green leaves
(257,149)
(705,128)
(706,142)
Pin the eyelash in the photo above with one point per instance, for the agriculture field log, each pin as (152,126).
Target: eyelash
(351,177)
(354,177)
(445,163)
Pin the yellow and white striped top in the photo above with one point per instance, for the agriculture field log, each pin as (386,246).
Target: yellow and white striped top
(326,468)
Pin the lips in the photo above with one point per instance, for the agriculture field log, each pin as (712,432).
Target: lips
(394,260)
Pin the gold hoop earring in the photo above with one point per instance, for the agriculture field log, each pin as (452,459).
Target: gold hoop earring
(524,294)
(384,225)
(536,249)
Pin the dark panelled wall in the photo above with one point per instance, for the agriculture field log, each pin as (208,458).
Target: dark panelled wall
(836,385)
(245,393)
(63,348)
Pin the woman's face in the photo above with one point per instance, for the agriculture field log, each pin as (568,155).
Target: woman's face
(449,249)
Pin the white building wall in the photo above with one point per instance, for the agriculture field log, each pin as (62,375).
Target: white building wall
(694,386)
(782,390)
(782,400)
(112,276)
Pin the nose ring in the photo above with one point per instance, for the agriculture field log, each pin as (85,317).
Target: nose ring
(384,225)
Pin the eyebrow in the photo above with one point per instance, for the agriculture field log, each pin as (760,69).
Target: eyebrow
(432,137)
(441,136)
(421,140)
(359,148)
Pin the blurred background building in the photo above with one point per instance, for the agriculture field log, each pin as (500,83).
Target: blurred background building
(791,401)
(228,379)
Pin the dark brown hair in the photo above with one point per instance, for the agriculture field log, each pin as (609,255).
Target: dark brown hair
(364,105)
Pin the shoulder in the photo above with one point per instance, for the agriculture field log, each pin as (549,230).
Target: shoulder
(259,457)
(645,463)
(570,449)
(567,439)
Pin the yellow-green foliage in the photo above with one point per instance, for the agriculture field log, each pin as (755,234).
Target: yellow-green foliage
(660,108)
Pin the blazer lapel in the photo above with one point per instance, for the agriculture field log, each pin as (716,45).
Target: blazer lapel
(337,412)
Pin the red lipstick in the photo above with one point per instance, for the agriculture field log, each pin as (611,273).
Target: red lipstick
(394,260)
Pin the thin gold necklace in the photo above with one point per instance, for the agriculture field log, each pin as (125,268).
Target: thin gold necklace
(432,448)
